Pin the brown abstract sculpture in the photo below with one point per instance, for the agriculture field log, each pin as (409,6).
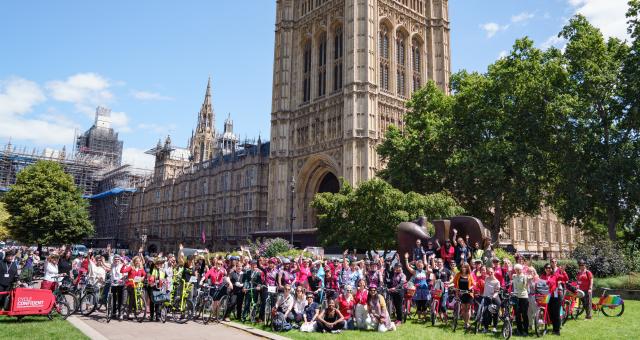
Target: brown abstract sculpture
(409,232)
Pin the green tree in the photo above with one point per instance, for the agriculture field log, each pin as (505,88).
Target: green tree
(366,217)
(46,207)
(4,218)
(488,143)
(597,154)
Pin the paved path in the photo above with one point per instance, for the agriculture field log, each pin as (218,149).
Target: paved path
(131,330)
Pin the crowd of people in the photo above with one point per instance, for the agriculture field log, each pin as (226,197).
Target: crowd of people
(317,294)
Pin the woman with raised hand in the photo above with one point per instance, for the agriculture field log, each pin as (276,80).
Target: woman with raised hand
(422,280)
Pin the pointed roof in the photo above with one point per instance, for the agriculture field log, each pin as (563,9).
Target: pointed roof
(207,95)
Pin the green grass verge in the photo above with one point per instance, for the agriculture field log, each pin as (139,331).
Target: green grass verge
(631,281)
(600,327)
(38,327)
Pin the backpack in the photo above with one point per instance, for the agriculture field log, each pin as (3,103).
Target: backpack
(541,287)
(279,324)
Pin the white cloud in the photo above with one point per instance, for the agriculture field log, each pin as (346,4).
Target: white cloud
(145,95)
(85,90)
(608,15)
(491,28)
(522,17)
(503,54)
(555,41)
(137,158)
(120,121)
(18,96)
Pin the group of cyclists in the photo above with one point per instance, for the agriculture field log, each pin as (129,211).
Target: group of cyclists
(440,283)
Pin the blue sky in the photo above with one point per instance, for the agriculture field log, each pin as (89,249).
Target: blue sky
(149,61)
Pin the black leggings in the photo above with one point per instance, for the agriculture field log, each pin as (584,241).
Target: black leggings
(522,316)
(554,312)
(154,308)
(421,305)
(116,295)
(235,301)
(397,303)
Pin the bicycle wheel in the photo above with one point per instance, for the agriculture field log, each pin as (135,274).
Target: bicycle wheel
(613,311)
(567,313)
(434,312)
(88,304)
(60,310)
(506,329)
(253,313)
(163,313)
(71,300)
(109,308)
(478,320)
(455,316)
(267,313)
(222,309)
(140,309)
(578,309)
(182,315)
(540,324)
(207,310)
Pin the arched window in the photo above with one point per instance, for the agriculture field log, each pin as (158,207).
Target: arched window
(306,73)
(401,61)
(416,56)
(384,58)
(322,64)
(337,59)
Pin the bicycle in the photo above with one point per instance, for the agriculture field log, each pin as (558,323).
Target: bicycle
(92,299)
(64,290)
(272,298)
(182,309)
(253,305)
(507,316)
(611,302)
(571,304)
(542,319)
(457,305)
(436,301)
(60,307)
(479,317)
(407,301)
(140,305)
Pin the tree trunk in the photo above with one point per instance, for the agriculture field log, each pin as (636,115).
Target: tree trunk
(612,221)
(496,223)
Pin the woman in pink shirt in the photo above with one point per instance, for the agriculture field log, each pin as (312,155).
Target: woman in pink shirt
(220,283)
(303,273)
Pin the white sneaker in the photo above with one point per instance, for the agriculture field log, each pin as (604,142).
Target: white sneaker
(494,330)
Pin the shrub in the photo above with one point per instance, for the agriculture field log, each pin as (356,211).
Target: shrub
(603,257)
(270,247)
(501,254)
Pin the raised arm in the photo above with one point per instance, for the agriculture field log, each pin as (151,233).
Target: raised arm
(406,262)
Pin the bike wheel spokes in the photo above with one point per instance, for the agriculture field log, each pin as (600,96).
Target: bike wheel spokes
(506,329)
(222,309)
(140,309)
(207,311)
(88,304)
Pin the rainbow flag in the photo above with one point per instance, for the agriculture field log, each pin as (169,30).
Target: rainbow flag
(612,300)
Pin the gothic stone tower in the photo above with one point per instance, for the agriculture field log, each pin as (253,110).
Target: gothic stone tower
(203,139)
(343,70)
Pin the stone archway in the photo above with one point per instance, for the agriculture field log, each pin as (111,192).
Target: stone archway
(318,174)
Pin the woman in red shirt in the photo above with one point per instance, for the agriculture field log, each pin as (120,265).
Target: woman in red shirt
(135,272)
(346,303)
(447,253)
(585,284)
(361,304)
(554,281)
(219,281)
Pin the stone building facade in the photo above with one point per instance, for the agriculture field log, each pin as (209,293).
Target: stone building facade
(212,194)
(343,70)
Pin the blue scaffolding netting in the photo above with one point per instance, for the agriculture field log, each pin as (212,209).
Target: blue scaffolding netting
(112,192)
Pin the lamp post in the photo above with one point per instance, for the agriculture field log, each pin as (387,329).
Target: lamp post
(293,190)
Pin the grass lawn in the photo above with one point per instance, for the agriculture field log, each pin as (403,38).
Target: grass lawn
(38,327)
(600,327)
(631,281)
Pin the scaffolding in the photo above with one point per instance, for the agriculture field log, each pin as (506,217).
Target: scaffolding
(109,206)
(85,170)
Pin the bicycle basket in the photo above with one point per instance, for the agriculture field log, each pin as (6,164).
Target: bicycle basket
(437,293)
(410,292)
(159,297)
